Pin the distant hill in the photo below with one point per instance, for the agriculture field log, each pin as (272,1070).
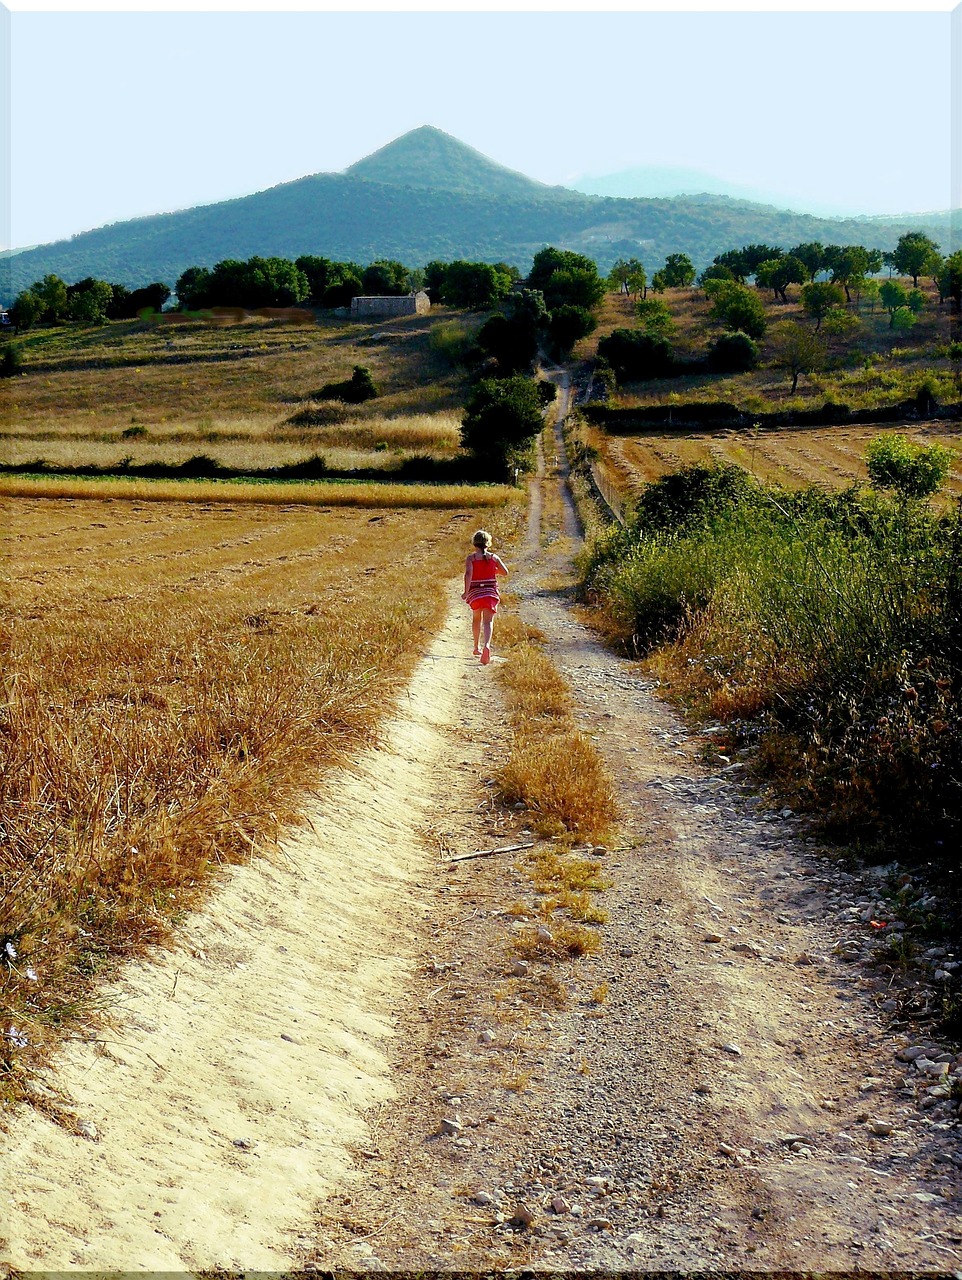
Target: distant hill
(427,195)
(433,160)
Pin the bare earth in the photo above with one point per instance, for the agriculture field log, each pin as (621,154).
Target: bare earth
(714,1089)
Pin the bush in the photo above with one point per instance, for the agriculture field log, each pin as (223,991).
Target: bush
(11,362)
(502,419)
(912,470)
(354,390)
(635,356)
(453,341)
(733,353)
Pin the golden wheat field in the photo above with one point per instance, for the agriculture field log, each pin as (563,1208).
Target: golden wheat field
(176,675)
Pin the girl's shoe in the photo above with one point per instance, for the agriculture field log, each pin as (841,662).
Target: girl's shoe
(485,656)
(477,653)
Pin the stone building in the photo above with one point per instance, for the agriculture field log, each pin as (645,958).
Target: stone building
(380,307)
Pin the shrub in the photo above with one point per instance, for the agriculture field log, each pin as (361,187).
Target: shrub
(453,341)
(733,353)
(354,390)
(503,416)
(912,470)
(11,362)
(635,355)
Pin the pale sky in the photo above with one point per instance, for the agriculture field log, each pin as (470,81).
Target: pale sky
(118,114)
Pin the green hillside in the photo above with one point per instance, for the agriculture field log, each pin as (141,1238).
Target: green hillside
(428,196)
(433,160)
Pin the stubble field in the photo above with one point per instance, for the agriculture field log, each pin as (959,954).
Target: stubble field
(177,676)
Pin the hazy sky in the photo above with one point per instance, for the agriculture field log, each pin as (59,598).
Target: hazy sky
(117,114)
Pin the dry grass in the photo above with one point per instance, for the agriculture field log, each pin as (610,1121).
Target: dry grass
(321,493)
(791,456)
(162,393)
(552,768)
(175,677)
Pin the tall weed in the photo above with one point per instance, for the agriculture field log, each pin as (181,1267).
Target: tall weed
(823,628)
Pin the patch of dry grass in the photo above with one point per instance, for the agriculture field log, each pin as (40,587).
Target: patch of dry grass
(552,768)
(175,678)
(320,493)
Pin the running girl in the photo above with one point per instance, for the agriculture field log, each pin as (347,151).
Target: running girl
(482,568)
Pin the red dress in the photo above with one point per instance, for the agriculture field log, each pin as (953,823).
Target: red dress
(483,591)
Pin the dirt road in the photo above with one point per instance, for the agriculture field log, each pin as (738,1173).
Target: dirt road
(343,1064)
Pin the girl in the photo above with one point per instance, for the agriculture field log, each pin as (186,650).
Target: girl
(482,568)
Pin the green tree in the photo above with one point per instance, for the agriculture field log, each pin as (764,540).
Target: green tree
(894,298)
(812,254)
(950,280)
(915,255)
(678,271)
(53,293)
(88,300)
(503,417)
(778,273)
(819,298)
(797,349)
(850,262)
(714,276)
(192,288)
(27,309)
(913,470)
(511,340)
(618,276)
(385,277)
(567,326)
(476,286)
(566,278)
(738,307)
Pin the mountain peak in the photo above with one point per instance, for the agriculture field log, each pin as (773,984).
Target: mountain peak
(429,157)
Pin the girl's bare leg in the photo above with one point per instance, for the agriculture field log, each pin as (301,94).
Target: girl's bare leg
(487,626)
(476,629)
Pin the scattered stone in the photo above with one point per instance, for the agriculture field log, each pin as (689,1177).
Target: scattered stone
(910,1054)
(703,1088)
(451,1126)
(87,1129)
(803,957)
(545,934)
(625,952)
(712,937)
(599,851)
(487,1036)
(733,1049)
(519,969)
(462,1142)
(560,1205)
(522,1216)
(747,948)
(881,1128)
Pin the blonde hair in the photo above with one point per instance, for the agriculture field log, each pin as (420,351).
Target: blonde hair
(482,539)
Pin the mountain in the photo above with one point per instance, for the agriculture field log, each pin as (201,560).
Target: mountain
(427,195)
(660,182)
(431,159)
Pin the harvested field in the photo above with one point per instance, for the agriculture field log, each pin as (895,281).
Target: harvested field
(794,457)
(176,677)
(245,394)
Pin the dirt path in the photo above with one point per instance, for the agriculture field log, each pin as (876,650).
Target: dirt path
(732,1102)
(229,1094)
(343,1065)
